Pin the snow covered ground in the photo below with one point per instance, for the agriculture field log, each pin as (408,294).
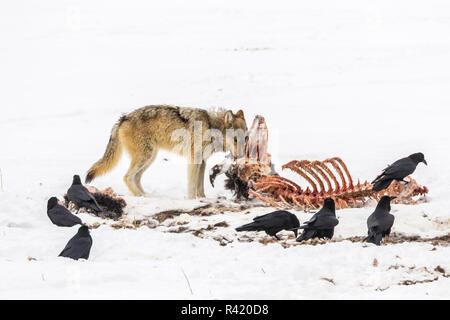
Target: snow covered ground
(366,81)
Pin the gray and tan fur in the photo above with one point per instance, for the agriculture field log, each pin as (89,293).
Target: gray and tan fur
(146,130)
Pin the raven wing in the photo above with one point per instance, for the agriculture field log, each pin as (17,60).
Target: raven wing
(380,223)
(325,222)
(402,169)
(398,170)
(273,219)
(308,224)
(70,220)
(62,217)
(79,248)
(68,216)
(81,193)
(313,219)
(68,247)
(372,221)
(271,214)
(386,222)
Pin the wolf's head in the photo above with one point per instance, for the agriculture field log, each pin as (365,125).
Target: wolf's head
(235,132)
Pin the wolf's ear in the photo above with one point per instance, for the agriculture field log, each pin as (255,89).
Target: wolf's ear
(240,114)
(228,118)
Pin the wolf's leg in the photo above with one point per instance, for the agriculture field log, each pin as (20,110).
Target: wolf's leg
(138,165)
(201,181)
(148,163)
(129,178)
(193,176)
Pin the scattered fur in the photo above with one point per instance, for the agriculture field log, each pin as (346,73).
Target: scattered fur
(442,271)
(204,210)
(412,282)
(112,207)
(170,214)
(222,224)
(375,262)
(236,185)
(329,280)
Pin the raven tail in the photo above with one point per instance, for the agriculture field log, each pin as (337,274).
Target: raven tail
(381,184)
(374,238)
(248,227)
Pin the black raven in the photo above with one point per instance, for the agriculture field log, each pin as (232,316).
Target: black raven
(321,224)
(79,246)
(79,195)
(380,222)
(60,215)
(272,223)
(398,171)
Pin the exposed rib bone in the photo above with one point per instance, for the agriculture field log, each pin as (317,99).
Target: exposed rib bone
(330,173)
(306,165)
(284,193)
(349,176)
(316,166)
(339,171)
(297,168)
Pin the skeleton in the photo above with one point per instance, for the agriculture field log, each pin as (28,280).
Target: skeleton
(321,175)
(253,176)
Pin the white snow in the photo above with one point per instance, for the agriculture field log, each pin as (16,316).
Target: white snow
(366,81)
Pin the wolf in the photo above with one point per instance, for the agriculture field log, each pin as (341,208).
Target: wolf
(146,130)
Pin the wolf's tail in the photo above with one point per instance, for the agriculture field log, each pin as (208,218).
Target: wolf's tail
(111,156)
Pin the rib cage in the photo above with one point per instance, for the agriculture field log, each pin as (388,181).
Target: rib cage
(282,192)
(332,173)
(316,168)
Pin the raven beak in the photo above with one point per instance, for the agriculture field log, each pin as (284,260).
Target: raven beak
(425,161)
(392,198)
